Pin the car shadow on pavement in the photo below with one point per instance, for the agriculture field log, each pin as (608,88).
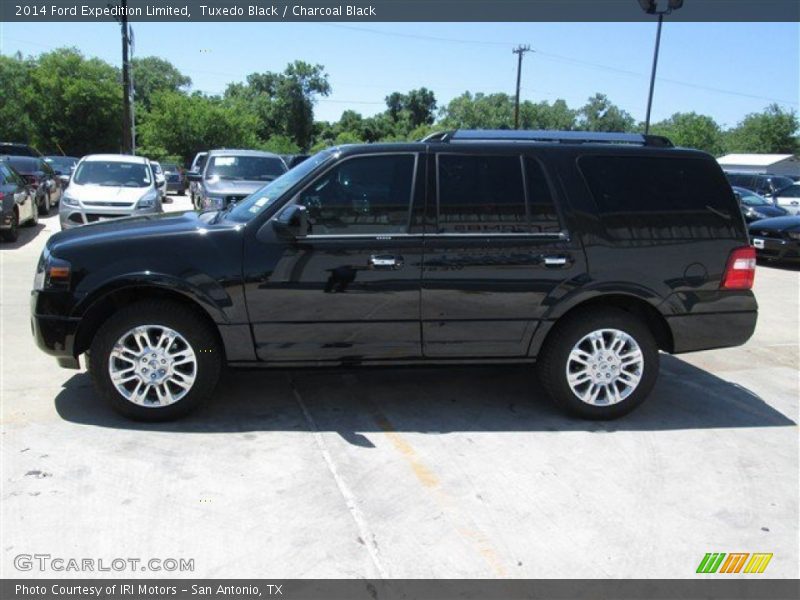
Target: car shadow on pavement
(430,400)
(26,235)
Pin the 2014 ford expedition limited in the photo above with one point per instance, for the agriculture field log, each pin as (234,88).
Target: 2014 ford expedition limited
(584,253)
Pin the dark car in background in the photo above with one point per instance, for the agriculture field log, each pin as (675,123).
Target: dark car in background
(17,149)
(777,239)
(18,199)
(41,177)
(63,166)
(176,178)
(583,253)
(756,207)
(765,184)
(231,175)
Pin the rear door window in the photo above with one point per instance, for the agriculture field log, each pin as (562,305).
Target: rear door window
(643,197)
(486,194)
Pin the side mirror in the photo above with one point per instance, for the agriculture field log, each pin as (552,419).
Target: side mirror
(194,176)
(291,223)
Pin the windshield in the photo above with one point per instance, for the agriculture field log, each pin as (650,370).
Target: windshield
(793,191)
(778,183)
(61,163)
(23,164)
(112,174)
(751,199)
(261,199)
(249,168)
(169,167)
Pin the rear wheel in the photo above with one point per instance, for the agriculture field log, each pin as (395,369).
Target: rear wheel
(45,208)
(34,221)
(599,363)
(12,233)
(155,361)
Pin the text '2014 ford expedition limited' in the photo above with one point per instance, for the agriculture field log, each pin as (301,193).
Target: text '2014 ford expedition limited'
(585,253)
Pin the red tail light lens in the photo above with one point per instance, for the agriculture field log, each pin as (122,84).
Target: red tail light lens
(740,271)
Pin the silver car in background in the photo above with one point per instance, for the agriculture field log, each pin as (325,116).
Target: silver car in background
(109,186)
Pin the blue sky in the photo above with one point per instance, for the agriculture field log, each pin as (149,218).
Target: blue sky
(726,70)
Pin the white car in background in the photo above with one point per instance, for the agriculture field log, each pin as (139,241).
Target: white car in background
(789,198)
(161,179)
(109,186)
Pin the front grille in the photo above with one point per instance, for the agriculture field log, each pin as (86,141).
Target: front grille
(110,204)
(93,217)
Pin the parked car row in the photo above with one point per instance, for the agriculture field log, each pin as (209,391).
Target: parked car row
(783,191)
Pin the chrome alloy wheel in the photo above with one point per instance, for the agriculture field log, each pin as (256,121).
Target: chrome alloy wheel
(152,366)
(604,367)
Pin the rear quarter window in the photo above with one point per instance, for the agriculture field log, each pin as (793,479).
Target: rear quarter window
(654,198)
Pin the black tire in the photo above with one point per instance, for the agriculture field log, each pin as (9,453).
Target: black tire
(199,334)
(554,357)
(34,221)
(44,209)
(12,233)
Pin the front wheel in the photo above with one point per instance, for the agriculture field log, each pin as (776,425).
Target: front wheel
(599,363)
(155,361)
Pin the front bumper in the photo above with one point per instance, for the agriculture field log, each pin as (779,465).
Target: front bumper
(777,249)
(54,335)
(75,216)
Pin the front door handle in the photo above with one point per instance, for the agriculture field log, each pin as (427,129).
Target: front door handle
(385,262)
(555,261)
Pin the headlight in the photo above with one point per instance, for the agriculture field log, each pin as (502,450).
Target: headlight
(69,200)
(51,272)
(148,200)
(759,215)
(795,235)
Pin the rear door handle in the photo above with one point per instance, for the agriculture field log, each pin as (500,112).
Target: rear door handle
(555,261)
(385,262)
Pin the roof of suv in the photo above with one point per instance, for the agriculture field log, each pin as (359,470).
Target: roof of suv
(123,158)
(237,152)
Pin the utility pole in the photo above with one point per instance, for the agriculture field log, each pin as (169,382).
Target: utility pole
(127,123)
(519,51)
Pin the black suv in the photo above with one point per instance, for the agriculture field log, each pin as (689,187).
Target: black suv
(586,253)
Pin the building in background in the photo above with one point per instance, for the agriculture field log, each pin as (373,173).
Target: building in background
(777,164)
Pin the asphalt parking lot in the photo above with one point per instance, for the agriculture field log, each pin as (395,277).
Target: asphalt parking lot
(455,472)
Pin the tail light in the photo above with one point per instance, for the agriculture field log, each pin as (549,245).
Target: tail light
(32,179)
(740,272)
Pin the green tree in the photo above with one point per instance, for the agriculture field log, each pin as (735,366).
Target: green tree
(600,114)
(152,74)
(15,99)
(283,102)
(479,111)
(541,115)
(772,131)
(183,125)
(691,130)
(75,103)
(417,107)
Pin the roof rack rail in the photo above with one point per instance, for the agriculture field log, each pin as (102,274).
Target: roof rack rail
(437,136)
(559,137)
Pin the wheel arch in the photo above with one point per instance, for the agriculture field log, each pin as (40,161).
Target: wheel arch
(631,303)
(104,304)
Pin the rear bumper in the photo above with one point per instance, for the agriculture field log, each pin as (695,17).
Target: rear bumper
(706,331)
